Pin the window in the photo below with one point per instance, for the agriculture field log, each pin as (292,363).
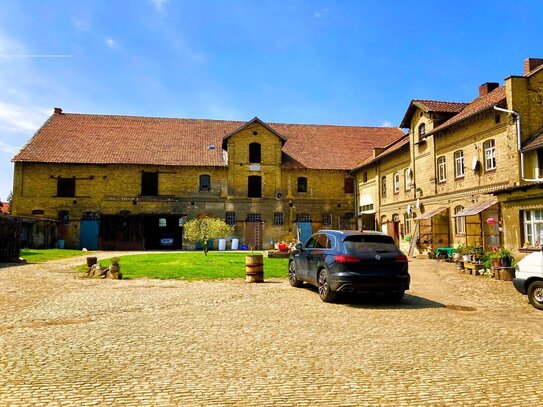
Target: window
(383,186)
(348,185)
(254,186)
(365,176)
(149,183)
(497,119)
(422,131)
(321,242)
(459,222)
(37,212)
(65,186)
(533,228)
(489,148)
(254,217)
(459,164)
(441,169)
(407,179)
(302,184)
(326,219)
(63,217)
(205,183)
(230,218)
(303,217)
(278,218)
(396,178)
(254,153)
(162,222)
(366,208)
(407,223)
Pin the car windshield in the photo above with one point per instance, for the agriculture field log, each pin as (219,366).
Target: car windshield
(360,244)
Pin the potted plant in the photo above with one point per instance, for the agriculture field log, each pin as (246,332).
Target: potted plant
(506,256)
(459,252)
(476,253)
(466,253)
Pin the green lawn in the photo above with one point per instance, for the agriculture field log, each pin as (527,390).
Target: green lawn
(43,255)
(194,266)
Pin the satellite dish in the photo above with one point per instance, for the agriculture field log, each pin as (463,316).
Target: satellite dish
(474,163)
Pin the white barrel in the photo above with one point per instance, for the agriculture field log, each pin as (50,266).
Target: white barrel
(235,243)
(222,244)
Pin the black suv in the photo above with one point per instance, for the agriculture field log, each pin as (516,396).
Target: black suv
(350,261)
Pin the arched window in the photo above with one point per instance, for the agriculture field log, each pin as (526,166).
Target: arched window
(205,183)
(422,131)
(302,184)
(489,148)
(459,222)
(255,153)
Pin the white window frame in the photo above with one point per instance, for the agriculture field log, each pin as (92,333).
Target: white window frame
(459,222)
(533,228)
(459,164)
(407,223)
(396,178)
(441,169)
(489,147)
(407,179)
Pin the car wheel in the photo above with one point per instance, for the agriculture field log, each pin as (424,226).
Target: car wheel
(292,279)
(535,294)
(395,296)
(323,284)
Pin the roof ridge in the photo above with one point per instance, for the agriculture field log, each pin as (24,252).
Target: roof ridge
(440,101)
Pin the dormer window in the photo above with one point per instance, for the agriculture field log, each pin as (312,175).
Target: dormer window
(422,131)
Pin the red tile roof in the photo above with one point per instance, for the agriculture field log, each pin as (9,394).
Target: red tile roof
(108,139)
(391,148)
(4,207)
(430,106)
(535,143)
(476,106)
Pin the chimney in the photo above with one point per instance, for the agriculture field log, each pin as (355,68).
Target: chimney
(58,110)
(487,87)
(532,63)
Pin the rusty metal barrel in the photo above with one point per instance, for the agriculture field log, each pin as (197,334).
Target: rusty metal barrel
(254,268)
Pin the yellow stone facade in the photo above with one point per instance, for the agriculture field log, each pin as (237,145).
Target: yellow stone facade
(116,189)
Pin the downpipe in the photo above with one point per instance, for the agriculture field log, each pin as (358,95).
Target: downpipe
(519,143)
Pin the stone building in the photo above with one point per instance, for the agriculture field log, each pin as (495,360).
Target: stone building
(437,187)
(120,182)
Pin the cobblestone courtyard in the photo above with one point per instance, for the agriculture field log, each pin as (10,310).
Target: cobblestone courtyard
(455,340)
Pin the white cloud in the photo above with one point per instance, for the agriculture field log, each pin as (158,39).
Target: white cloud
(321,13)
(386,123)
(81,23)
(6,148)
(111,43)
(21,118)
(160,4)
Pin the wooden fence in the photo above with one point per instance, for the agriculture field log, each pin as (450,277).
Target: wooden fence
(10,238)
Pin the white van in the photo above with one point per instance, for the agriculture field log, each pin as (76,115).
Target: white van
(529,278)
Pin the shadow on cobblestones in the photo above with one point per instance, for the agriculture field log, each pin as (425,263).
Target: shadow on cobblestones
(380,302)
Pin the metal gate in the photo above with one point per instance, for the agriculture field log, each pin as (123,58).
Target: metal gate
(10,238)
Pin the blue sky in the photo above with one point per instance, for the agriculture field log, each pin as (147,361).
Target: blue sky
(335,62)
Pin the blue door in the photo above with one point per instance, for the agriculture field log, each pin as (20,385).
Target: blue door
(88,234)
(305,230)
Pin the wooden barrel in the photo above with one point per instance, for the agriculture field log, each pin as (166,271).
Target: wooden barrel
(91,261)
(254,268)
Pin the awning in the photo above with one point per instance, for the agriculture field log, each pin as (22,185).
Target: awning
(475,208)
(430,215)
